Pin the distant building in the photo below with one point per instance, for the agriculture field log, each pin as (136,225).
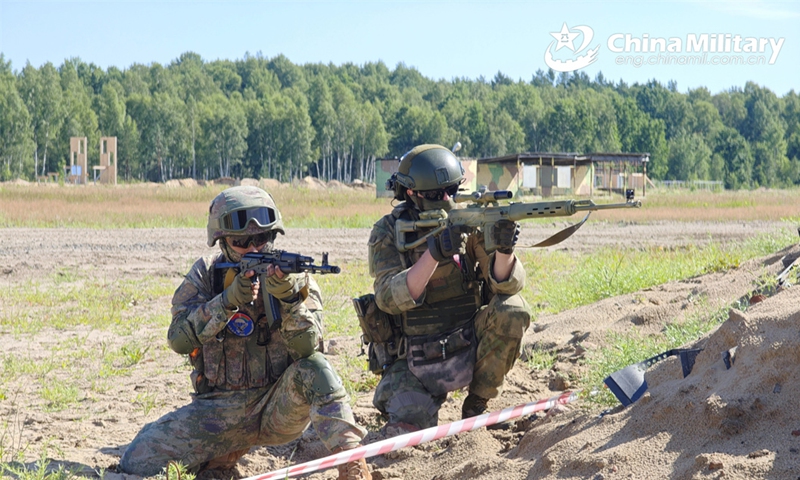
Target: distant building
(545,174)
(387,166)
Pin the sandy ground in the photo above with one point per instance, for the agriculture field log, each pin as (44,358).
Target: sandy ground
(737,422)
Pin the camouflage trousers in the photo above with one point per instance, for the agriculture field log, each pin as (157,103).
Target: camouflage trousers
(499,326)
(221,422)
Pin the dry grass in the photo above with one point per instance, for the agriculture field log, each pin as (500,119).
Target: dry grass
(154,205)
(703,206)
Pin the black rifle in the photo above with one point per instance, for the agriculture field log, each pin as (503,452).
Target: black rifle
(287,262)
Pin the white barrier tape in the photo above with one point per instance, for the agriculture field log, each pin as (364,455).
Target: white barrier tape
(420,437)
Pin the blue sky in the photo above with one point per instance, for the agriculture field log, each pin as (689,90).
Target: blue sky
(442,39)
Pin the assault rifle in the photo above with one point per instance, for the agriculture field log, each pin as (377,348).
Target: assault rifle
(287,262)
(484,211)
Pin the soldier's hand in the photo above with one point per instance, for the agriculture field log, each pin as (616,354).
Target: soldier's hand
(448,243)
(240,291)
(280,285)
(505,234)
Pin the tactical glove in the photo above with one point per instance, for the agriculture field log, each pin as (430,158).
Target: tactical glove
(239,292)
(283,288)
(448,243)
(505,234)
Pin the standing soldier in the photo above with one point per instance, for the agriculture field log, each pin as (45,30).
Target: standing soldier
(456,312)
(257,382)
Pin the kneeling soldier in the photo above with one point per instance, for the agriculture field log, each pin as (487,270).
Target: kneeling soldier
(259,379)
(455,312)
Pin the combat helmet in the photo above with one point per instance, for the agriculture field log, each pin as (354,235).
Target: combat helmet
(426,167)
(242,211)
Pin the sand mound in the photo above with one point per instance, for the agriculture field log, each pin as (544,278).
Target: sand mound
(311,183)
(228,181)
(337,185)
(741,420)
(361,184)
(270,184)
(188,182)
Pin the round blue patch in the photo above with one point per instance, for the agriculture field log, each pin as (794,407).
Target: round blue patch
(240,325)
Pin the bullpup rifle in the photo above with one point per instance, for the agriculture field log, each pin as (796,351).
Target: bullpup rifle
(484,211)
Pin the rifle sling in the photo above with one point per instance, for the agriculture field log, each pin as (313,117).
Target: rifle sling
(560,236)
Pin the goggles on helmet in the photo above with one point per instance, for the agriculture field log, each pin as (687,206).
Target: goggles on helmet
(237,221)
(438,195)
(255,240)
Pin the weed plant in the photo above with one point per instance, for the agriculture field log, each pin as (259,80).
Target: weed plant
(559,281)
(79,301)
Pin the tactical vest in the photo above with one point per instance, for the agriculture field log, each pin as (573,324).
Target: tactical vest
(439,335)
(452,296)
(242,356)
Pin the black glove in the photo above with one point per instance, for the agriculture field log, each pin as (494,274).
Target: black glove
(448,243)
(505,234)
(239,292)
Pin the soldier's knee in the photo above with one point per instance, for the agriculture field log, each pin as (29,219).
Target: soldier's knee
(415,408)
(513,315)
(317,377)
(137,463)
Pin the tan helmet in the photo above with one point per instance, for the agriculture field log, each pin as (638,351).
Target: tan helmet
(242,211)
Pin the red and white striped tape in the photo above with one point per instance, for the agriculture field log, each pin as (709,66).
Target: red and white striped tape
(420,437)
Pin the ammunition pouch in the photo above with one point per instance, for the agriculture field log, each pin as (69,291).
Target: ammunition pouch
(380,331)
(444,362)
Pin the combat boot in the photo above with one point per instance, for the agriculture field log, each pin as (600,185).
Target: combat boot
(474,406)
(223,466)
(356,470)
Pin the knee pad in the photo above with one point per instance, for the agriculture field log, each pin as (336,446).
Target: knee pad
(415,408)
(182,339)
(325,379)
(304,344)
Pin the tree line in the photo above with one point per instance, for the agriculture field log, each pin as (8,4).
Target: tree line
(269,118)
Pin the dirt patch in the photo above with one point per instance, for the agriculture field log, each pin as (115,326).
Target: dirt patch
(740,422)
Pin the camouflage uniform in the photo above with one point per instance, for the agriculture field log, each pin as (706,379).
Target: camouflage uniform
(250,390)
(500,318)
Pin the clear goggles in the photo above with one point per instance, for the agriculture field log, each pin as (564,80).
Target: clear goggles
(237,221)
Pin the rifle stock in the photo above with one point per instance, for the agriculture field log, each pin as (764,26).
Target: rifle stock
(481,215)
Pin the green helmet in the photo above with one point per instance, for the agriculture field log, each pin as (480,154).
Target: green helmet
(428,167)
(240,211)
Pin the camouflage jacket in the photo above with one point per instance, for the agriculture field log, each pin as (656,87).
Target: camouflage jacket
(227,361)
(390,268)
